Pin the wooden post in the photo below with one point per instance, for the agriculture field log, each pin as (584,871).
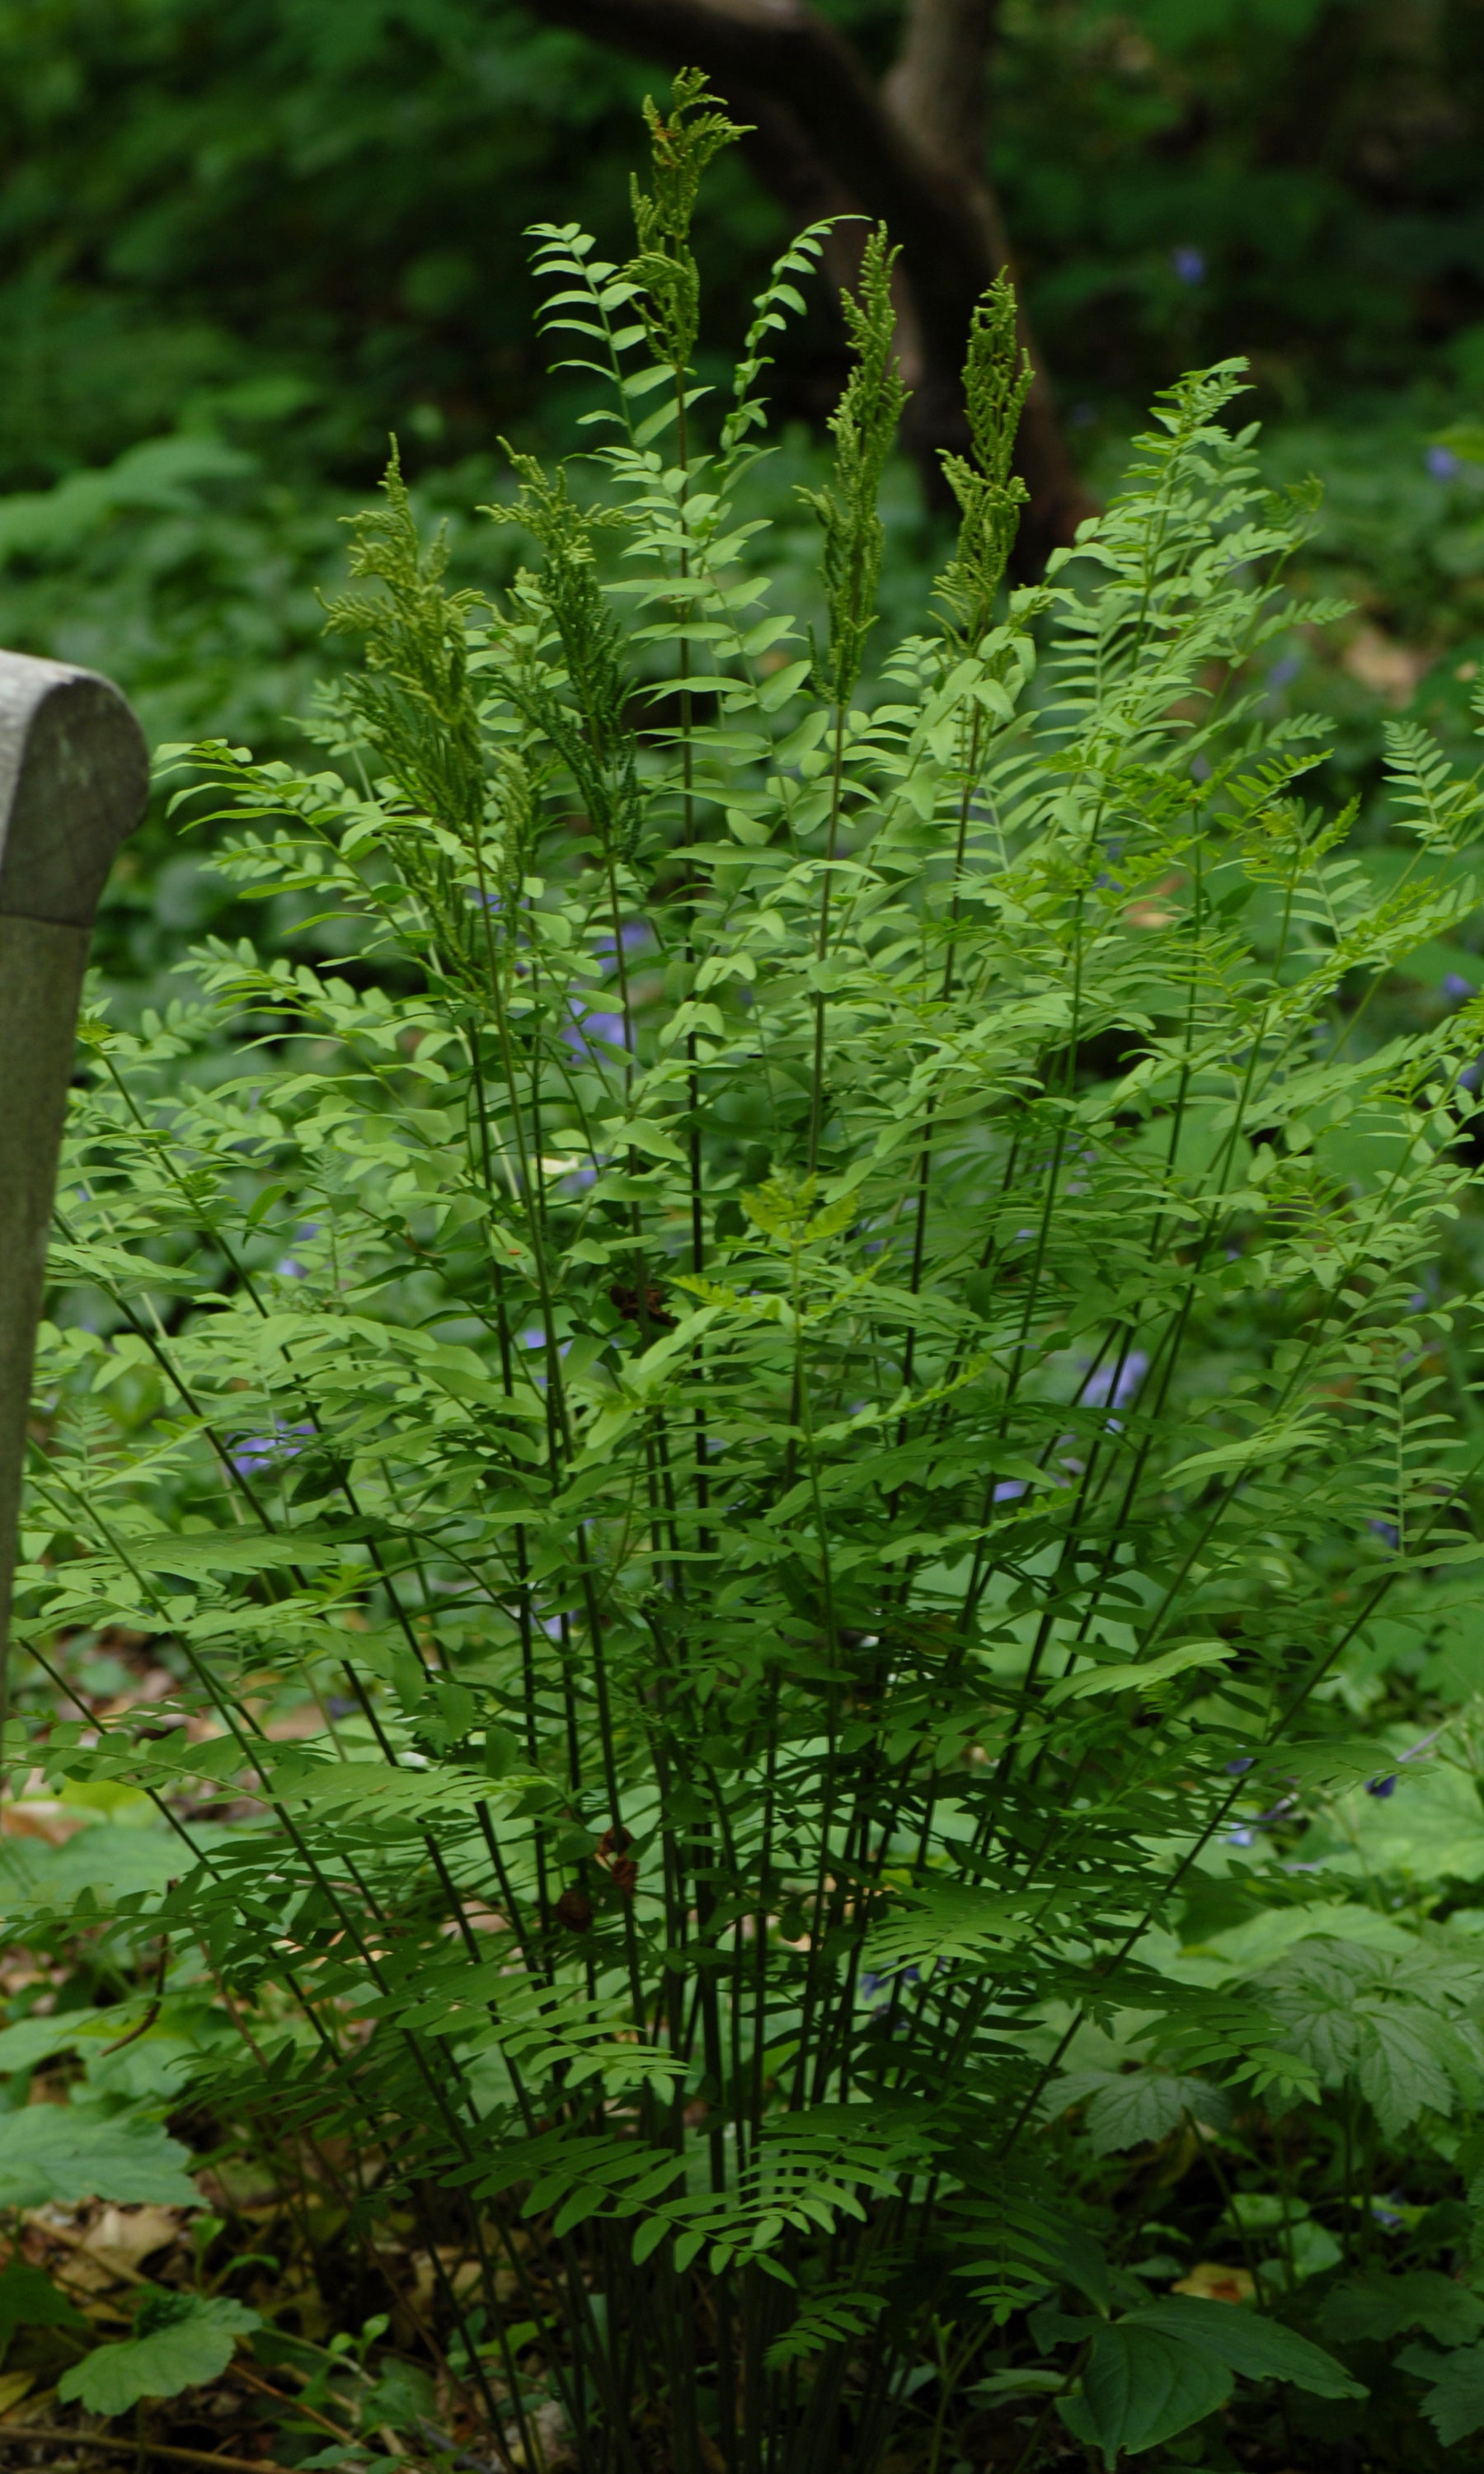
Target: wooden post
(73,775)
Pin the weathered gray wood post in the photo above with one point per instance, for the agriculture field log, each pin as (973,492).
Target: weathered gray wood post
(74,773)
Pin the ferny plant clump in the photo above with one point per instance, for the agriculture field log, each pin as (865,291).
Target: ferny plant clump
(769,1421)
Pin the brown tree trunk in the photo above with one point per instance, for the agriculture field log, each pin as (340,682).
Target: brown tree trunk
(909,152)
(938,93)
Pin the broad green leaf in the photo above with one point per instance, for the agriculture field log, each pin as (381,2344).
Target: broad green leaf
(1128,2108)
(69,2152)
(1455,2403)
(1141,2386)
(1257,2347)
(403,2397)
(182,2341)
(1378,2307)
(29,2299)
(1432,1826)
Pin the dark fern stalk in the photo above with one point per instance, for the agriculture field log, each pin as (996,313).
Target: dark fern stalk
(863,426)
(997,381)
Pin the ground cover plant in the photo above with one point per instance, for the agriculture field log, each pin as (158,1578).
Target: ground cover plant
(749,1607)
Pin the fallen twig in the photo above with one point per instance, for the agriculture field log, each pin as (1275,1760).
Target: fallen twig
(131,2448)
(440,2441)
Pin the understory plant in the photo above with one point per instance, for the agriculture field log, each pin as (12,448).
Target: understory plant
(768,1414)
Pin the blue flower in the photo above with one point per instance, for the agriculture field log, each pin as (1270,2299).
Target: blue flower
(1456,988)
(870,1986)
(1442,463)
(255,1453)
(1382,1787)
(586,1029)
(1188,263)
(1103,1387)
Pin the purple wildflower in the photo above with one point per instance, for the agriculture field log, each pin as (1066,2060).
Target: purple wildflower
(635,933)
(1382,1787)
(585,1028)
(257,1453)
(1188,263)
(291,1269)
(870,1986)
(1101,1389)
(1456,988)
(1442,463)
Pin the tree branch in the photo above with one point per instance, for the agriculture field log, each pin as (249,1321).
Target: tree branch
(939,88)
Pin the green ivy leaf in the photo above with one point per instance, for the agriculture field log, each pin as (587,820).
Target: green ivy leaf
(181,2342)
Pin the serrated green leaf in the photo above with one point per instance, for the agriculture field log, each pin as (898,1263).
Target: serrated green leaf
(1374,2309)
(1454,2402)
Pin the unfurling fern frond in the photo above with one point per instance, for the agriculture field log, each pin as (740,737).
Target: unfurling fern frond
(864,424)
(665,274)
(997,379)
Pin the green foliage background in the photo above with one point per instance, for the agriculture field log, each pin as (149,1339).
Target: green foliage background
(243,242)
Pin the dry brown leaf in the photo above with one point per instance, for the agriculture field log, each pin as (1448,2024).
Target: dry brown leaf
(1386,668)
(43,1818)
(296,1726)
(14,2385)
(552,2433)
(1213,2280)
(1151,910)
(461,2274)
(123,2238)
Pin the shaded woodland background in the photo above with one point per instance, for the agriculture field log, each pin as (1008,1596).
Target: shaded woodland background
(244,240)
